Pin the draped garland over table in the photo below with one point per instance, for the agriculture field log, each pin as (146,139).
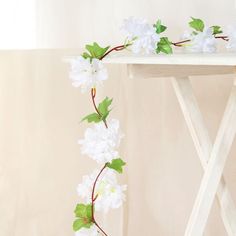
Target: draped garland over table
(100,191)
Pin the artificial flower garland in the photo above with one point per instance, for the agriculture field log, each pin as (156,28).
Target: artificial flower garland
(100,191)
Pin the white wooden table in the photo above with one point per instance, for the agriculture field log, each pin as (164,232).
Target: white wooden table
(212,155)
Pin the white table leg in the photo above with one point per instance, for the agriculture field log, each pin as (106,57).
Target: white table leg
(203,146)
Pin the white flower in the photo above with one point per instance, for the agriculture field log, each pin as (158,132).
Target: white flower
(101,143)
(186,35)
(109,193)
(202,42)
(142,34)
(84,190)
(231,33)
(86,74)
(92,231)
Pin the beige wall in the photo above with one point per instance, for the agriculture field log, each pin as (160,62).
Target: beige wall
(40,161)
(73,23)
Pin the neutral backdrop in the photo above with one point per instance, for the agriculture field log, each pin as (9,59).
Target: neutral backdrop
(40,160)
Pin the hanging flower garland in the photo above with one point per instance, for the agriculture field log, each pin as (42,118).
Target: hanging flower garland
(100,191)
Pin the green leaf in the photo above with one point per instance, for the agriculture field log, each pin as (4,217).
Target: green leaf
(83,211)
(85,55)
(103,108)
(84,216)
(159,27)
(81,223)
(216,29)
(80,210)
(96,51)
(94,117)
(197,24)
(164,45)
(78,224)
(89,211)
(88,225)
(116,164)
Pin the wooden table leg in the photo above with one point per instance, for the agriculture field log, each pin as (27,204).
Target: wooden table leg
(218,154)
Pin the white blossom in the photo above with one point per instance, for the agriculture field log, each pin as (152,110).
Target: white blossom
(186,35)
(92,231)
(231,33)
(84,190)
(142,34)
(201,42)
(101,143)
(109,193)
(87,74)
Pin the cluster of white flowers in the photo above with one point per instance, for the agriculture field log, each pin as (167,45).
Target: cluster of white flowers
(109,193)
(92,231)
(100,143)
(142,34)
(201,42)
(87,74)
(231,33)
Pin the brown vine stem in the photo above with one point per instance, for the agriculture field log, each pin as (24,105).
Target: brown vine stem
(117,48)
(226,38)
(176,44)
(93,94)
(93,199)
(180,43)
